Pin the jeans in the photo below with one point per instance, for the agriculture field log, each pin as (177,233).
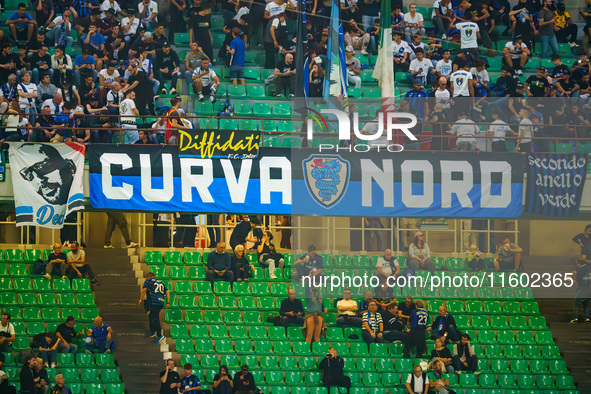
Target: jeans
(367,21)
(130,134)
(409,32)
(578,303)
(101,136)
(70,348)
(48,356)
(154,320)
(174,77)
(189,80)
(211,276)
(459,366)
(549,40)
(441,25)
(270,263)
(448,368)
(54,34)
(36,72)
(351,321)
(452,334)
(429,265)
(354,81)
(49,268)
(116,219)
(150,25)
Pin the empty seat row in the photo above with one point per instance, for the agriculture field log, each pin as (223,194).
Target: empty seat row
(41,285)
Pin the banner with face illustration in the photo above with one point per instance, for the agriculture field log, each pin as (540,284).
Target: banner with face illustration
(47,182)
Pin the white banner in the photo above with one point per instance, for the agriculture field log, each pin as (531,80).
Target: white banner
(47,182)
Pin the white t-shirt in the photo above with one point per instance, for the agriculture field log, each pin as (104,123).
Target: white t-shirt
(132,29)
(346,303)
(9,328)
(126,107)
(398,50)
(468,34)
(499,129)
(385,265)
(413,48)
(206,79)
(511,46)
(442,96)
(114,98)
(419,385)
(444,68)
(109,78)
(49,103)
(30,88)
(106,5)
(275,9)
(57,20)
(442,9)
(480,76)
(527,127)
(460,80)
(417,18)
(416,65)
(152,8)
(242,11)
(76,256)
(466,129)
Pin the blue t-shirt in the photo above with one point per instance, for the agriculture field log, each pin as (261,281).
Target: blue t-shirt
(21,25)
(95,41)
(100,334)
(156,291)
(313,262)
(79,61)
(418,318)
(239,57)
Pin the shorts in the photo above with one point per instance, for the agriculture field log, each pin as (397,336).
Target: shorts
(507,265)
(206,89)
(237,73)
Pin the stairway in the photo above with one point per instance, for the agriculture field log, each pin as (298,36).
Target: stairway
(139,359)
(573,340)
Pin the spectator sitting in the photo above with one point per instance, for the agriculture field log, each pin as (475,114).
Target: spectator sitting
(582,276)
(387,266)
(475,260)
(291,310)
(441,355)
(347,309)
(413,22)
(143,138)
(222,383)
(240,266)
(205,80)
(420,254)
(170,381)
(60,386)
(284,76)
(353,68)
(99,338)
(516,53)
(66,333)
(444,327)
(356,38)
(268,257)
(167,66)
(219,265)
(364,304)
(190,382)
(7,333)
(21,24)
(373,326)
(309,264)
(437,378)
(244,381)
(332,366)
(28,378)
(77,264)
(464,358)
(42,385)
(508,256)
(417,382)
(48,343)
(393,327)
(56,261)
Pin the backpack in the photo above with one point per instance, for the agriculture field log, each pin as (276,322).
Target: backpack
(38,267)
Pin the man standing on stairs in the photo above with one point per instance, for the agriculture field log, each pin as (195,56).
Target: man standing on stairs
(117,219)
(154,291)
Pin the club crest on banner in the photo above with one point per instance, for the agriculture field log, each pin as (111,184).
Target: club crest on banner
(327,177)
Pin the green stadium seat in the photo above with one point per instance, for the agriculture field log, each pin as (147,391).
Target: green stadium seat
(545,382)
(499,322)
(550,352)
(261,110)
(243,346)
(538,366)
(184,346)
(274,378)
(512,351)
(294,378)
(302,349)
(239,332)
(519,366)
(192,258)
(222,288)
(178,272)
(252,318)
(232,318)
(263,348)
(281,109)
(531,352)
(13,256)
(479,322)
(473,307)
(115,388)
(537,323)
(203,346)
(193,316)
(468,380)
(94,388)
(511,307)
(209,361)
(492,307)
(227,302)
(266,303)
(312,379)
(499,366)
(487,380)
(506,337)
(455,306)
(518,322)
(110,375)
(507,380)
(565,382)
(81,285)
(153,258)
(188,302)
(557,367)
(179,331)
(258,333)
(197,331)
(525,337)
(90,375)
(200,288)
(487,337)
(231,361)
(85,300)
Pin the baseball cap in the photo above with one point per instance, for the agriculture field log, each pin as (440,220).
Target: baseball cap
(147,35)
(349,48)
(70,318)
(112,11)
(418,233)
(166,44)
(311,247)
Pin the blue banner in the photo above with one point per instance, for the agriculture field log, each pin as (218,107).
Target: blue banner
(304,182)
(555,183)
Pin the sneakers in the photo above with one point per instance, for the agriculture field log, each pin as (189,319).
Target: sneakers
(573,44)
(173,91)
(163,91)
(518,72)
(132,245)
(587,320)
(160,339)
(212,98)
(153,335)
(52,365)
(109,246)
(574,321)
(363,52)
(444,37)
(47,276)
(200,96)
(477,108)
(273,276)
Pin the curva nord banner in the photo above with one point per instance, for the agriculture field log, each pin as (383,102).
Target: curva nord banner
(284,181)
(47,181)
(219,144)
(555,183)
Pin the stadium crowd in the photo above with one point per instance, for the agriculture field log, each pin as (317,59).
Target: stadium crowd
(126,55)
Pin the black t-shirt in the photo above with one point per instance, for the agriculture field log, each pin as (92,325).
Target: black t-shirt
(4,72)
(559,70)
(200,23)
(391,322)
(170,60)
(461,62)
(144,86)
(240,233)
(406,310)
(284,67)
(61,256)
(443,353)
(172,377)
(38,61)
(21,62)
(537,86)
(68,333)
(567,85)
(579,72)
